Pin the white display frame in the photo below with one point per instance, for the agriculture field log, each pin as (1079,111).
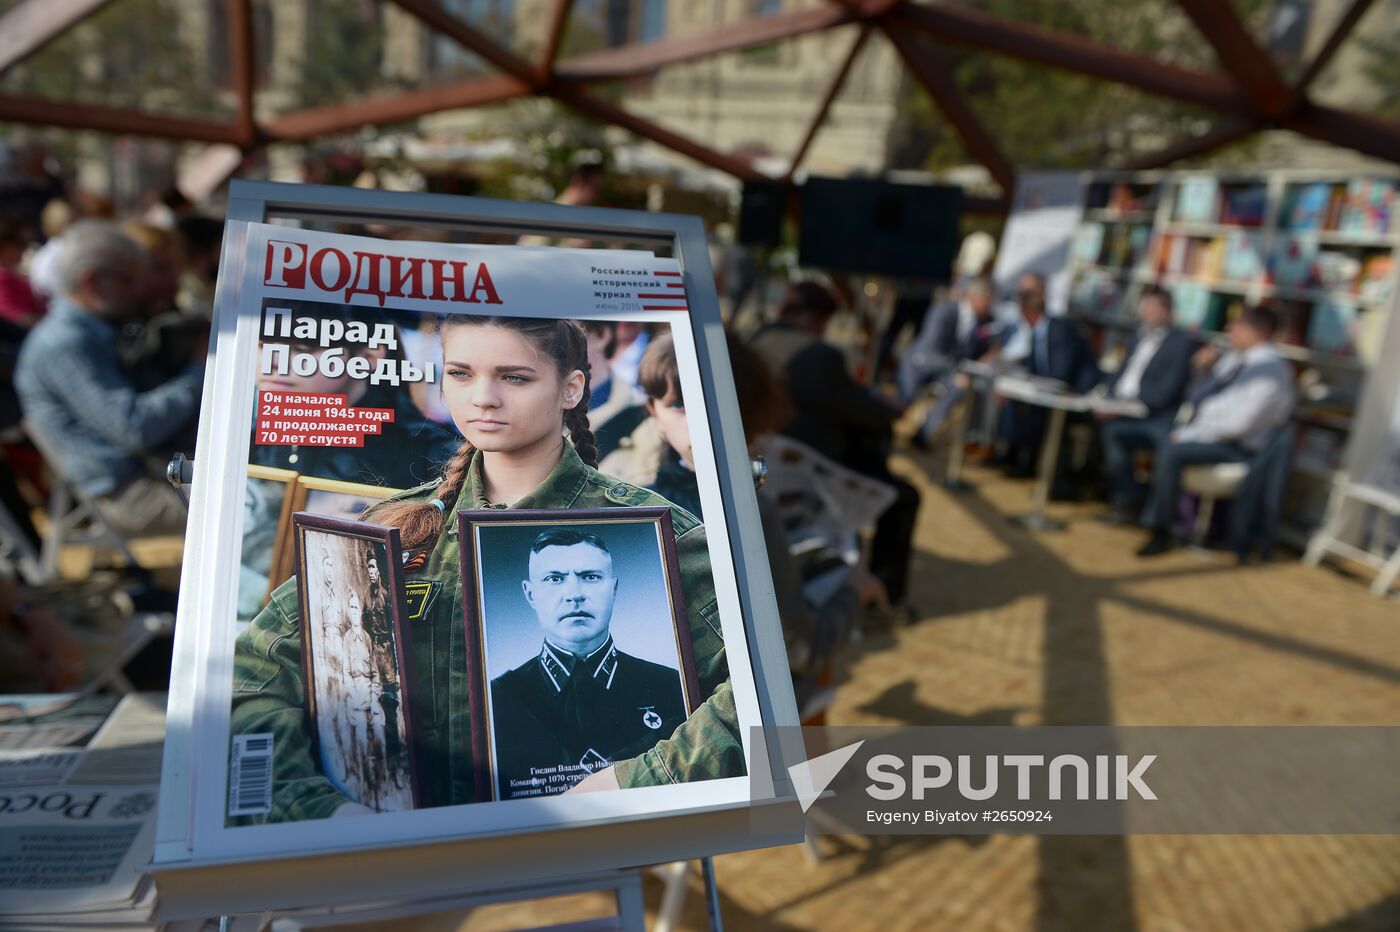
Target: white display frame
(249,881)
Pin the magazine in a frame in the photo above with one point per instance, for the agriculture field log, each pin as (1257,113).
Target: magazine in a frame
(481,630)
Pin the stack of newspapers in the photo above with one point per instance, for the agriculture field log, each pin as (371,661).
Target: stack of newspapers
(78,785)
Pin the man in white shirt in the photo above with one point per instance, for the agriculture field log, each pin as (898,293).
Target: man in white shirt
(1248,393)
(1155,372)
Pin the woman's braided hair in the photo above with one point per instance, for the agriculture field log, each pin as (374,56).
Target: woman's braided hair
(562,341)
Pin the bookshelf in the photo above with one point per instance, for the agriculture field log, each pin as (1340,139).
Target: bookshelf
(1321,249)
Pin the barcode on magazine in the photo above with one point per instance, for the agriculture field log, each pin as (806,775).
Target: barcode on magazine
(250,776)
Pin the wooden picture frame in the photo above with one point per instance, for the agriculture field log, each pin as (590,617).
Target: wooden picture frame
(303,499)
(385,547)
(483,687)
(282,536)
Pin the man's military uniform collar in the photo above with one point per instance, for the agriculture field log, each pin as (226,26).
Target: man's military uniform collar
(560,665)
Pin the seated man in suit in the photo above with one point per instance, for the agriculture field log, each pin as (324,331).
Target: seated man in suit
(1057,351)
(952,332)
(1248,393)
(1155,371)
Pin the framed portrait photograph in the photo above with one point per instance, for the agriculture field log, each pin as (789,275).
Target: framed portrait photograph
(354,660)
(268,499)
(578,648)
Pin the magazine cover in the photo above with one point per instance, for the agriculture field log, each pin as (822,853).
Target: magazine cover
(433,597)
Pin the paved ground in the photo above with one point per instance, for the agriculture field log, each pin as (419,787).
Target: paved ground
(1071,628)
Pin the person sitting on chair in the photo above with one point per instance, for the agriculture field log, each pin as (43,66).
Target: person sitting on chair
(953,332)
(1057,351)
(1155,372)
(109,438)
(1247,393)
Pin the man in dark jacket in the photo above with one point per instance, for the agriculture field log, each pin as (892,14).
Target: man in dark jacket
(1155,371)
(839,418)
(953,331)
(1057,351)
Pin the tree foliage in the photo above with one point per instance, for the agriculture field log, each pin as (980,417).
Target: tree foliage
(1044,118)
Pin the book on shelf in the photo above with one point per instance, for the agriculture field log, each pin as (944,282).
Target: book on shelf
(1129,198)
(1332,327)
(1293,318)
(1368,205)
(1293,259)
(1317,448)
(1243,260)
(1196,200)
(1244,204)
(1088,243)
(1191,302)
(1096,294)
(1127,245)
(1309,206)
(1377,281)
(1336,271)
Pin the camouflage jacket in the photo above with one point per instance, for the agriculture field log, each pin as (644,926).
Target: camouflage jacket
(268,695)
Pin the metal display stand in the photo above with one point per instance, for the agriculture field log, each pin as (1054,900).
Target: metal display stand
(438,874)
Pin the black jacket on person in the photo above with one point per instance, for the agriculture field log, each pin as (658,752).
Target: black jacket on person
(561,716)
(1163,384)
(1071,360)
(939,334)
(676,484)
(407,452)
(835,416)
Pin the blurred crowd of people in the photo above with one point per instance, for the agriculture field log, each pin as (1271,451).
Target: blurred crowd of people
(104,329)
(1198,402)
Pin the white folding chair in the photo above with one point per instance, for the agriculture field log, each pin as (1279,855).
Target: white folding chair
(1328,538)
(142,629)
(74,517)
(17,552)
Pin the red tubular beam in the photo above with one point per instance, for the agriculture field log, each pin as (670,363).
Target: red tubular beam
(544,72)
(1343,29)
(240,39)
(117,120)
(471,38)
(938,81)
(828,100)
(1216,138)
(1239,54)
(639,59)
(1068,52)
(608,112)
(393,108)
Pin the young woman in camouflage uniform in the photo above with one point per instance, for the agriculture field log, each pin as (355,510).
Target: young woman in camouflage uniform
(513,385)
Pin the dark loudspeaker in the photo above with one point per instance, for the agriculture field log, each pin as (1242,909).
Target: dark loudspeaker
(761,213)
(872,227)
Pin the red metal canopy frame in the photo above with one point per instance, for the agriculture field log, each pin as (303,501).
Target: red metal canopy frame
(1248,92)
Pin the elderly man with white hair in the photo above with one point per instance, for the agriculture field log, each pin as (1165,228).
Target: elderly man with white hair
(107,437)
